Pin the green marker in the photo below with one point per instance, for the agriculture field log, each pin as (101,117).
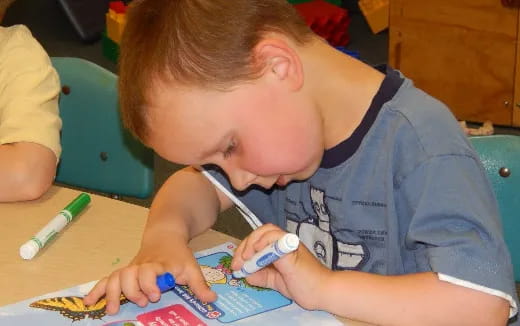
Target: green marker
(29,249)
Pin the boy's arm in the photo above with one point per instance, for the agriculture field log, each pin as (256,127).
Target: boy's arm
(409,299)
(451,236)
(26,171)
(186,205)
(413,299)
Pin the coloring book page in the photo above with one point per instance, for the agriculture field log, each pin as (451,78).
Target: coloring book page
(238,303)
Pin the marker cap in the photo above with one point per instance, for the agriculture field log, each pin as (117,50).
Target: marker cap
(29,249)
(78,204)
(165,282)
(289,242)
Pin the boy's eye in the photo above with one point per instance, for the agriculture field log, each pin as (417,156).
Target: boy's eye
(230,149)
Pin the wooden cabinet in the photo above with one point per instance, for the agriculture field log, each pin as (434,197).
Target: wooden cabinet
(464,52)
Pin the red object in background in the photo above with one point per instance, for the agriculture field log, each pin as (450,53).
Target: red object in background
(118,6)
(327,20)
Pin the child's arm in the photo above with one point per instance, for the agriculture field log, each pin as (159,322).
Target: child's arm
(26,171)
(413,299)
(185,206)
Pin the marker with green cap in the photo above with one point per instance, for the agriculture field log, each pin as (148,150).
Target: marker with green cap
(29,249)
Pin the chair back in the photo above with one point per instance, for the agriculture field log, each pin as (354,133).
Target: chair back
(500,155)
(98,153)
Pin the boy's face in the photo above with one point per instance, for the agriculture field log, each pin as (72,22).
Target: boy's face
(259,133)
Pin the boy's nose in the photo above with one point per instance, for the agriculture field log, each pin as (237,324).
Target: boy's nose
(241,179)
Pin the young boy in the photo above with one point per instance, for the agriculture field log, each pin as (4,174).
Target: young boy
(398,220)
(29,117)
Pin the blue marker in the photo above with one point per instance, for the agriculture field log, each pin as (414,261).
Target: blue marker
(285,245)
(165,282)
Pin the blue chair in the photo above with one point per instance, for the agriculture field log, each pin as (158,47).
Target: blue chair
(500,155)
(98,153)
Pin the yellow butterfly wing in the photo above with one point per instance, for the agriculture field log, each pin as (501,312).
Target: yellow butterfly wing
(73,307)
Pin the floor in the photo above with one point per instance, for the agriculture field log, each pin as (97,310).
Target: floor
(49,24)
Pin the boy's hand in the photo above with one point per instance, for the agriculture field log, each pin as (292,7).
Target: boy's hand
(137,281)
(298,275)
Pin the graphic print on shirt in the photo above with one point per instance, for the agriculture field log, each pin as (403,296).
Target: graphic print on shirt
(315,233)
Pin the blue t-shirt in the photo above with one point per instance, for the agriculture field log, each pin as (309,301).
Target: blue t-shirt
(406,193)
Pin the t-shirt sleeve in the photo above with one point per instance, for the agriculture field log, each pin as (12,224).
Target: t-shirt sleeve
(455,228)
(29,89)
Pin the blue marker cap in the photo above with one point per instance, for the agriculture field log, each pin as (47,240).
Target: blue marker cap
(165,282)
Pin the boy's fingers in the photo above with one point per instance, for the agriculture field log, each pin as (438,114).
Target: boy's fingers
(247,248)
(148,282)
(198,285)
(267,238)
(259,242)
(130,287)
(260,278)
(96,292)
(113,294)
(237,260)
(269,277)
(252,247)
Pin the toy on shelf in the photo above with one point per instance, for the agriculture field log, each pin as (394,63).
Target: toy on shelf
(116,20)
(376,13)
(110,48)
(115,23)
(327,20)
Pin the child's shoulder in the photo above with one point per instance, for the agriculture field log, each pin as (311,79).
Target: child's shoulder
(18,38)
(427,120)
(15,33)
(20,49)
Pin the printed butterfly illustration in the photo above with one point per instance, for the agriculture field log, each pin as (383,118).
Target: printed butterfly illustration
(73,307)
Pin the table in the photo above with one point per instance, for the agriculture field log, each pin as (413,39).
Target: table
(104,237)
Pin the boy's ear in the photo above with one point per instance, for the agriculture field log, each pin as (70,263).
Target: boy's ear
(276,57)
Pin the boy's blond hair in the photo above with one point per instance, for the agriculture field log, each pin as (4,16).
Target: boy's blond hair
(204,43)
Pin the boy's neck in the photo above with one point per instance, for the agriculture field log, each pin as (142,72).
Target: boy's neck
(341,86)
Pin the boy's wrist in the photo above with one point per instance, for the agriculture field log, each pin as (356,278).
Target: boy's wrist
(169,231)
(161,244)
(330,284)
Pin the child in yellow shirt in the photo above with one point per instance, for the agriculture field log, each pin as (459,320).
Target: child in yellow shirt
(29,116)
